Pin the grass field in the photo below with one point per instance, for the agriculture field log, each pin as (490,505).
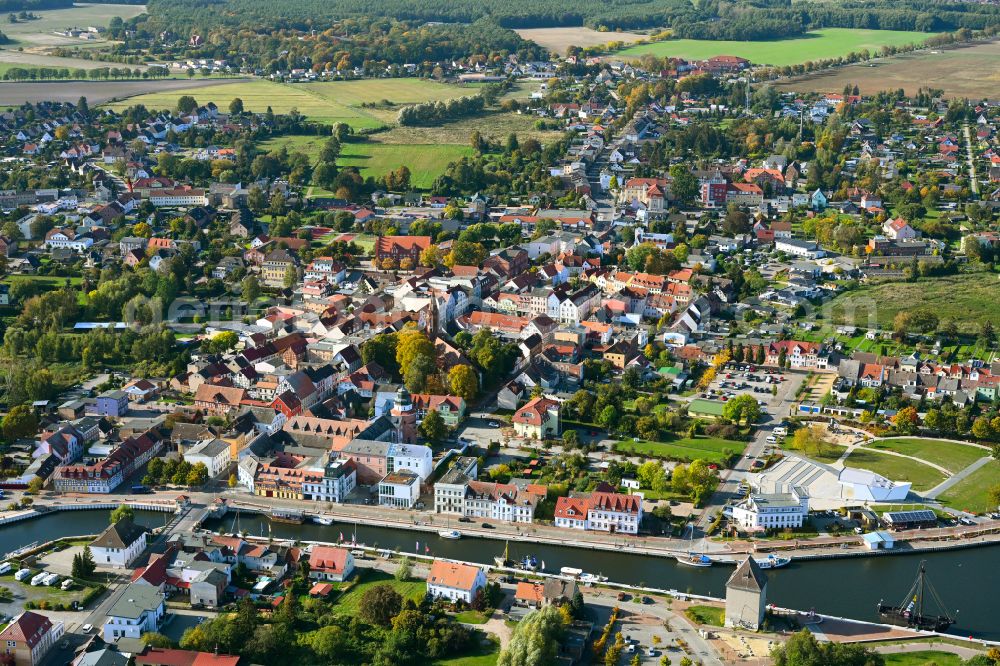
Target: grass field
(709,449)
(953,457)
(700,406)
(710,615)
(350,601)
(923,658)
(328,102)
(485,656)
(971,71)
(80,14)
(815,45)
(558,40)
(471,617)
(374,158)
(894,468)
(949,297)
(971,493)
(97,92)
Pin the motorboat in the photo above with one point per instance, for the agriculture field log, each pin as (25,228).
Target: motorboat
(450,534)
(772,561)
(322,520)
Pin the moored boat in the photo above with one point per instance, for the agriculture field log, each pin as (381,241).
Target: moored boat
(287,516)
(572,572)
(695,560)
(772,561)
(913,611)
(450,534)
(322,520)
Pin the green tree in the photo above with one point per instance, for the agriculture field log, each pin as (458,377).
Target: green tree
(684,186)
(535,639)
(251,288)
(186,104)
(157,640)
(405,570)
(379,604)
(433,427)
(802,649)
(236,106)
(20,422)
(742,409)
(124,511)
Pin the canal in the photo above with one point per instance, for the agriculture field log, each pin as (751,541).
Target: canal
(965,579)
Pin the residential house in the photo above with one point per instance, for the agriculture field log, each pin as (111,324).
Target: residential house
(454,581)
(119,544)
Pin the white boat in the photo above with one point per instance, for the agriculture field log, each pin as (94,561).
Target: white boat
(774,562)
(572,572)
(322,520)
(695,560)
(450,534)
(593,578)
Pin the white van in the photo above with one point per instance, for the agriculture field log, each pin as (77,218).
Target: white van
(39,578)
(51,579)
(771,439)
(22,574)
(5,568)
(66,584)
(780,431)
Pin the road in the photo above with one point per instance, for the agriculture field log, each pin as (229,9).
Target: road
(778,407)
(974,180)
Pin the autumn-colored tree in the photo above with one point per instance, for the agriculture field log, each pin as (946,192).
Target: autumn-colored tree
(463,382)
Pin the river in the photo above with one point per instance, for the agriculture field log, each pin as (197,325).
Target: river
(965,579)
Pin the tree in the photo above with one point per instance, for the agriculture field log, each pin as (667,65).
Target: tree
(35,485)
(197,476)
(291,276)
(186,104)
(684,186)
(651,475)
(463,382)
(812,441)
(236,106)
(157,640)
(233,481)
(251,288)
(433,427)
(906,420)
(124,511)
(534,640)
(413,344)
(994,494)
(20,422)
(405,570)
(379,604)
(802,649)
(742,409)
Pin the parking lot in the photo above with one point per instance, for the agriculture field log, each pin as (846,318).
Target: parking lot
(737,378)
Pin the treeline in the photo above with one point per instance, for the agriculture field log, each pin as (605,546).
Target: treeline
(435,113)
(753,25)
(98,73)
(29,5)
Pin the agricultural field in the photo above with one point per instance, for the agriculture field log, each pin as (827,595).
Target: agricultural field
(328,102)
(97,92)
(894,468)
(952,456)
(374,158)
(968,71)
(41,31)
(709,449)
(923,658)
(971,493)
(558,40)
(949,297)
(815,45)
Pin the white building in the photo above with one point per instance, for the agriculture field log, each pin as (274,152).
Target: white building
(119,544)
(415,458)
(214,453)
(862,485)
(454,581)
(338,479)
(771,511)
(799,248)
(602,512)
(138,611)
(399,489)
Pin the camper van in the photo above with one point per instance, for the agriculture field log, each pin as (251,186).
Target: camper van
(51,579)
(5,568)
(66,584)
(39,578)
(22,574)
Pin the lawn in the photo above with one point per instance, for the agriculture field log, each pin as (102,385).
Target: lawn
(471,617)
(949,297)
(486,655)
(425,162)
(350,600)
(953,457)
(815,45)
(971,493)
(700,406)
(894,468)
(709,449)
(923,658)
(710,615)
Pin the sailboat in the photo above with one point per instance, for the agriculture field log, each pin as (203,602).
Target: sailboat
(504,560)
(693,559)
(912,611)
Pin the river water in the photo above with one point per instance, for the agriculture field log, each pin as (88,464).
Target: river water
(967,580)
